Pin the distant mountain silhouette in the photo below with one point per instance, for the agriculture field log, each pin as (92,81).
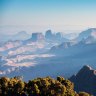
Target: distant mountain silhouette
(85,34)
(70,36)
(85,80)
(54,37)
(61,47)
(49,34)
(22,35)
(83,49)
(37,37)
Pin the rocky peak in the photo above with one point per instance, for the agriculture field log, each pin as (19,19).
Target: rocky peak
(86,70)
(85,80)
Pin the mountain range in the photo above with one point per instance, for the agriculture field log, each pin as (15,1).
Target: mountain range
(22,35)
(87,33)
(51,54)
(52,44)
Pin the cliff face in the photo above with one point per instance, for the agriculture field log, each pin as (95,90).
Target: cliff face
(85,80)
(37,37)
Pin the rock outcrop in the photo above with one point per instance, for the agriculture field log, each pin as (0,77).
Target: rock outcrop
(37,37)
(85,80)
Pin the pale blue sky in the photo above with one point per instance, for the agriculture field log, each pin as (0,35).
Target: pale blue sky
(56,14)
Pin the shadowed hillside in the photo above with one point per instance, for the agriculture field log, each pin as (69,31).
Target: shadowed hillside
(85,80)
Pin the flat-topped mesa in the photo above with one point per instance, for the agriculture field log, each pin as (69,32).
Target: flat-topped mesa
(37,37)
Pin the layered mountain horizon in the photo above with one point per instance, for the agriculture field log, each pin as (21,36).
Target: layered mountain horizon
(50,54)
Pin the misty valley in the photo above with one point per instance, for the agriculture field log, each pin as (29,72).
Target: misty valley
(49,54)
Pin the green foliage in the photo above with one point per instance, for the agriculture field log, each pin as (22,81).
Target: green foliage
(38,87)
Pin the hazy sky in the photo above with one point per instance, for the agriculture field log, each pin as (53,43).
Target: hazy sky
(43,14)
